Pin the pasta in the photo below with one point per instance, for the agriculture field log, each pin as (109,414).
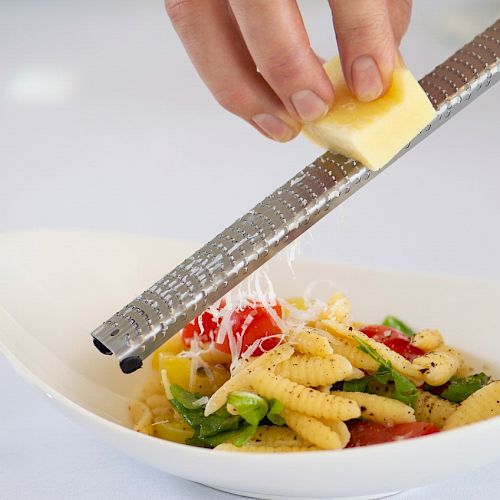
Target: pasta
(483,404)
(313,430)
(315,370)
(303,399)
(304,379)
(438,366)
(381,409)
(427,340)
(268,360)
(310,341)
(431,408)
(399,362)
(277,436)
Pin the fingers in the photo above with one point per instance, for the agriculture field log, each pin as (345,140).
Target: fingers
(277,40)
(400,13)
(366,44)
(220,56)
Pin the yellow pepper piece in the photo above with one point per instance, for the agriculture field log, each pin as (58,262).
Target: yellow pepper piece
(179,372)
(174,345)
(172,431)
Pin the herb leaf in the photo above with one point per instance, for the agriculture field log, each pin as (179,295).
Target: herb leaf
(397,324)
(251,407)
(359,385)
(461,388)
(185,398)
(404,390)
(276,408)
(221,426)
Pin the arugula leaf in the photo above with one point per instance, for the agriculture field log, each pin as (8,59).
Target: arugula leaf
(276,408)
(251,407)
(185,398)
(397,324)
(359,385)
(218,422)
(221,426)
(192,417)
(404,390)
(461,388)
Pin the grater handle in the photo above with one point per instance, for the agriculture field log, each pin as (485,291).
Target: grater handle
(153,317)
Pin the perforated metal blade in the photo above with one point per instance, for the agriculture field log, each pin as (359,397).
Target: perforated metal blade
(144,324)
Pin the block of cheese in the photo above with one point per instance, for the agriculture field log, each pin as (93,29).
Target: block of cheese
(372,132)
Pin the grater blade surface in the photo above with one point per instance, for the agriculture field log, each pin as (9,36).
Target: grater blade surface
(144,324)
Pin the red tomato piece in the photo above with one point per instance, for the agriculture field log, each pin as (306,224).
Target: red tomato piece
(393,339)
(194,329)
(365,433)
(260,326)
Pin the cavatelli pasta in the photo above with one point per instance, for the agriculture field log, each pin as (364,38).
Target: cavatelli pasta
(438,366)
(338,308)
(356,374)
(341,429)
(142,418)
(159,405)
(483,404)
(349,349)
(427,340)
(240,380)
(399,363)
(291,385)
(380,409)
(303,399)
(312,341)
(267,435)
(433,409)
(313,430)
(314,371)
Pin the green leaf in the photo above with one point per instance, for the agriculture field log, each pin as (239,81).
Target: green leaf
(251,407)
(276,408)
(185,398)
(217,423)
(404,390)
(359,385)
(238,437)
(397,324)
(461,388)
(243,435)
(192,417)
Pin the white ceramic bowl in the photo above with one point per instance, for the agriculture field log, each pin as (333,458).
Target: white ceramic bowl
(55,287)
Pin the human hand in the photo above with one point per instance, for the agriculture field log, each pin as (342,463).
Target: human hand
(227,40)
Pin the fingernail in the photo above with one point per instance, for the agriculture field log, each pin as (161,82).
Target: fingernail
(273,127)
(366,79)
(309,105)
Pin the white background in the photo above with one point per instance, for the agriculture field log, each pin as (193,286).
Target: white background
(105,125)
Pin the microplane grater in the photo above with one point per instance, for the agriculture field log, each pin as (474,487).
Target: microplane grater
(153,317)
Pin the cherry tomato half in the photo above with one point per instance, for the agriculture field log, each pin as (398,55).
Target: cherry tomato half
(393,339)
(365,433)
(260,326)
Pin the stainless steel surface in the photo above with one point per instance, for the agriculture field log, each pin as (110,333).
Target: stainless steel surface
(146,323)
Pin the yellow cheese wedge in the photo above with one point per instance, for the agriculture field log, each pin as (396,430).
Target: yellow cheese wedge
(372,132)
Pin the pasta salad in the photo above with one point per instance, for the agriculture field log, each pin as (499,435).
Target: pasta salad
(262,375)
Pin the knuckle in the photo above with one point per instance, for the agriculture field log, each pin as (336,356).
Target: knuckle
(285,66)
(370,26)
(233,99)
(179,10)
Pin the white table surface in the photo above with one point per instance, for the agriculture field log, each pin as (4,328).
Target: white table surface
(104,125)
